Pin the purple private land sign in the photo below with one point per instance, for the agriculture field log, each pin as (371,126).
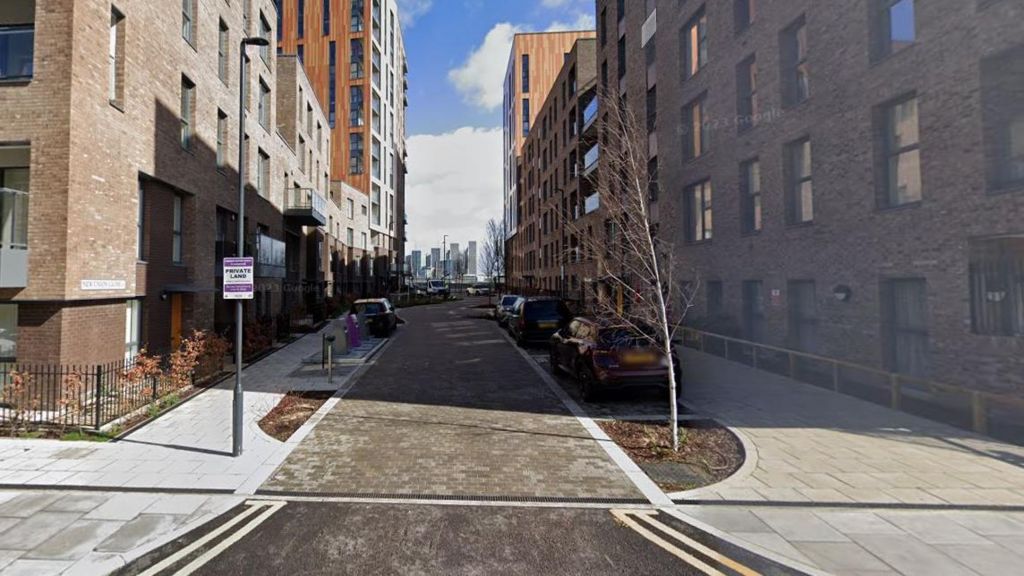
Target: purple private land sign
(238,279)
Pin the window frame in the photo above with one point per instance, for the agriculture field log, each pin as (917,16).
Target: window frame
(890,152)
(795,183)
(751,197)
(705,232)
(177,229)
(696,40)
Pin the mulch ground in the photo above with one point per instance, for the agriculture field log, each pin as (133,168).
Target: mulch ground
(292,412)
(708,453)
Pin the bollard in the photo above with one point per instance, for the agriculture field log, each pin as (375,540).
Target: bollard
(330,357)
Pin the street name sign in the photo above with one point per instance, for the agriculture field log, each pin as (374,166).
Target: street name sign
(238,279)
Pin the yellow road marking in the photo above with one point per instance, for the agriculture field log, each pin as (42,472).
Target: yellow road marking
(649,517)
(623,516)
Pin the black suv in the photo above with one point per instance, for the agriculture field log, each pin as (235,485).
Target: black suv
(535,320)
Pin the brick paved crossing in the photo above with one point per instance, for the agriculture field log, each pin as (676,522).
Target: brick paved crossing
(452,410)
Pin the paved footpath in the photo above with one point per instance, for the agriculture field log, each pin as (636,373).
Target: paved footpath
(50,525)
(853,487)
(452,410)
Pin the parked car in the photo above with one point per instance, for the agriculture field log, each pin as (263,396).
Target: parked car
(380,316)
(503,309)
(438,288)
(480,289)
(534,320)
(604,357)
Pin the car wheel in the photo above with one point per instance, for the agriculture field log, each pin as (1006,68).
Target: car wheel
(588,383)
(556,369)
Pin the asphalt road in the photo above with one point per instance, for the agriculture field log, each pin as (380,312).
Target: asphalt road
(403,534)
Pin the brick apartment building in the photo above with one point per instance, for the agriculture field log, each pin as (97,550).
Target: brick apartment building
(354,54)
(535,60)
(559,155)
(844,179)
(118,160)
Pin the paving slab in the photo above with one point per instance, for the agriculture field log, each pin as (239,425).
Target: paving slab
(36,529)
(75,541)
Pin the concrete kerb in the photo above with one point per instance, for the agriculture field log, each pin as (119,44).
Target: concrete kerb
(760,550)
(253,483)
(641,480)
(747,469)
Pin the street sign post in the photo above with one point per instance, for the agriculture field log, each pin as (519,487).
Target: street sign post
(238,279)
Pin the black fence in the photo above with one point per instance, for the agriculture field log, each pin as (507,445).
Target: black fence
(39,396)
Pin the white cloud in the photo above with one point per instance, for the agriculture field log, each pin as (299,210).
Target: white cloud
(584,21)
(480,79)
(410,10)
(454,186)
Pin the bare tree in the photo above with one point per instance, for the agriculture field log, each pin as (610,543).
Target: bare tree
(642,287)
(492,258)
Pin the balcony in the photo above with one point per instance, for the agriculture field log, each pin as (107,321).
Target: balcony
(590,160)
(13,238)
(591,203)
(305,206)
(271,258)
(590,114)
(16,52)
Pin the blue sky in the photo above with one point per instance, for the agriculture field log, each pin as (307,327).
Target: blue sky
(457,51)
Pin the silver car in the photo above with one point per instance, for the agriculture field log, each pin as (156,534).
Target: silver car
(504,308)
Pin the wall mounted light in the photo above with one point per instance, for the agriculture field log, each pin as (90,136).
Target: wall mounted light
(842,293)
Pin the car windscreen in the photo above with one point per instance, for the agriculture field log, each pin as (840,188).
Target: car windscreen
(437,284)
(508,301)
(370,308)
(622,338)
(544,310)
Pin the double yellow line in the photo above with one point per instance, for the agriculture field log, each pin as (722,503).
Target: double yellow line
(637,519)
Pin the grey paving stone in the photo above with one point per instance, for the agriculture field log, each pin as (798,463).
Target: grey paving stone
(990,523)
(78,502)
(987,560)
(772,542)
(36,568)
(123,507)
(33,531)
(800,526)
(180,504)
(26,504)
(834,556)
(75,541)
(144,528)
(727,519)
(932,527)
(910,556)
(853,522)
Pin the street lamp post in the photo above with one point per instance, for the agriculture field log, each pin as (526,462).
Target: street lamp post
(237,405)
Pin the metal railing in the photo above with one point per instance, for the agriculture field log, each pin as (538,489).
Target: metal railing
(976,410)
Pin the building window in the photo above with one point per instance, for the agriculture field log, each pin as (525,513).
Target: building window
(132,328)
(901,147)
(375,164)
(326,26)
(222,139)
(796,83)
(753,310)
(365,244)
(116,52)
(332,84)
(280,23)
(905,326)
(223,52)
(894,26)
(695,136)
(652,179)
(526,117)
(375,206)
(620,10)
(997,286)
(750,196)
(800,188)
(652,109)
(301,54)
(8,332)
(265,32)
(695,44)
(177,229)
(17,46)
(264,105)
(1002,96)
(747,108)
(301,16)
(188,21)
(803,316)
(622,57)
(698,212)
(188,100)
(140,225)
(745,12)
(351,208)
(263,174)
(603,27)
(356,117)
(525,71)
(356,154)
(716,299)
(357,59)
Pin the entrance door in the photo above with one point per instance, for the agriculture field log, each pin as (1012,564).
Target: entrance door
(175,321)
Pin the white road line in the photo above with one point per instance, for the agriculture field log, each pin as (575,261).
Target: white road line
(254,506)
(623,517)
(649,517)
(212,553)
